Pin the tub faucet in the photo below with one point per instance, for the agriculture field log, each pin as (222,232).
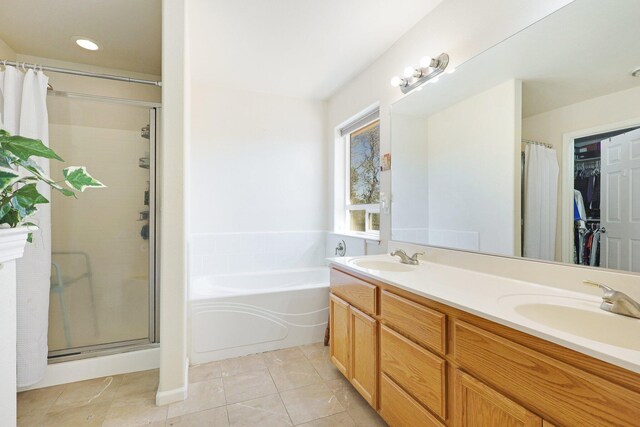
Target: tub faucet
(616,302)
(406,259)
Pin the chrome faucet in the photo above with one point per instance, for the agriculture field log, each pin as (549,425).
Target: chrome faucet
(406,259)
(616,302)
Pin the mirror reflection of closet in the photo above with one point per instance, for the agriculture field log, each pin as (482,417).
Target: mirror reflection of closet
(606,207)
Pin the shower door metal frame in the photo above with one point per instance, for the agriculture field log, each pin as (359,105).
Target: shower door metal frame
(153,339)
(155,114)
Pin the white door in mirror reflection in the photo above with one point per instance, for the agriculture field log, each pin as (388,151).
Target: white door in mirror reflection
(621,213)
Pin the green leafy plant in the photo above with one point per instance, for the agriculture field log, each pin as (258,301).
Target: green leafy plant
(20,174)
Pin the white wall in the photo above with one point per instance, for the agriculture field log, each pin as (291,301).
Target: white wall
(550,127)
(472,151)
(173,203)
(257,161)
(461,28)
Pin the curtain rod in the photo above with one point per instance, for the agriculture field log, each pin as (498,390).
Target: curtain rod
(80,73)
(528,141)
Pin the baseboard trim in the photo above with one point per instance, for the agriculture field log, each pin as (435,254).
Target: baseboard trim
(177,394)
(171,396)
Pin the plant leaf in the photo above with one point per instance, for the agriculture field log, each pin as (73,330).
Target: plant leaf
(78,178)
(4,132)
(8,177)
(65,191)
(31,166)
(5,208)
(11,217)
(30,235)
(25,199)
(37,171)
(5,161)
(23,148)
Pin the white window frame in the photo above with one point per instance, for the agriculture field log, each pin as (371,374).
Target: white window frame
(342,219)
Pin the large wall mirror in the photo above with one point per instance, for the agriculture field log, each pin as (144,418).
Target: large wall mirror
(531,148)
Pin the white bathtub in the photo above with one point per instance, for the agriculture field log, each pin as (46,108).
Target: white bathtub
(239,314)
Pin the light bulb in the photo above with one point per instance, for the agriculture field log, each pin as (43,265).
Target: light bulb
(409,72)
(426,62)
(396,81)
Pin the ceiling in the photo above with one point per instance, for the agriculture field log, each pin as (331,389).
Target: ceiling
(129,31)
(585,50)
(299,48)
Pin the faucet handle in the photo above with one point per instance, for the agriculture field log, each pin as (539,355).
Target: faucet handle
(416,255)
(598,285)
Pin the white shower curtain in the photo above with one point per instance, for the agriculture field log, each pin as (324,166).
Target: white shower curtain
(23,111)
(540,202)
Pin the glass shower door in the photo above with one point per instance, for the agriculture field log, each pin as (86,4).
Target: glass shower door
(102,277)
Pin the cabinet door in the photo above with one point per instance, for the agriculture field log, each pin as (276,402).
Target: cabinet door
(339,334)
(364,346)
(477,405)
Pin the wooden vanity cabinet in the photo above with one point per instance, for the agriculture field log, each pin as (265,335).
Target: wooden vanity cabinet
(422,363)
(354,333)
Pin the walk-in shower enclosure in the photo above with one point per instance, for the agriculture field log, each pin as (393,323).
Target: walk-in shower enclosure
(103,278)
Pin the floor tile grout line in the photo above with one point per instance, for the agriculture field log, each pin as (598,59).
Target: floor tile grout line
(279,396)
(224,394)
(328,416)
(194,412)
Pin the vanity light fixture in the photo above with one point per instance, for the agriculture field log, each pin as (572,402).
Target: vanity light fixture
(428,70)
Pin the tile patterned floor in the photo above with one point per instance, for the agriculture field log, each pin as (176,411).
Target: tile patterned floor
(292,387)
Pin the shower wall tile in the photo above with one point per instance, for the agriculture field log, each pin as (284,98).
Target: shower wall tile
(234,253)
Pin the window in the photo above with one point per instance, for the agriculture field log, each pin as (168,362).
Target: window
(360,207)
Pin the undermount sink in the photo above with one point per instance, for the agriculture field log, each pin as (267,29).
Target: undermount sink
(580,317)
(381,265)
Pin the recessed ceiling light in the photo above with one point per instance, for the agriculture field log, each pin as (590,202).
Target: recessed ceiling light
(86,43)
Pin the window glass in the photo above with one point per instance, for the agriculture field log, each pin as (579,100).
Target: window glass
(357,221)
(364,172)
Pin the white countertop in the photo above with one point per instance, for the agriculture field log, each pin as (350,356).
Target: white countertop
(500,299)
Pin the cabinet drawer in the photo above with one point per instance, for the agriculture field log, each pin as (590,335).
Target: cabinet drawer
(355,291)
(424,325)
(416,370)
(400,410)
(549,387)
